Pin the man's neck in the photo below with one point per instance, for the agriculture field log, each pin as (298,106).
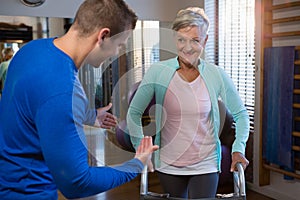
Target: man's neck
(76,47)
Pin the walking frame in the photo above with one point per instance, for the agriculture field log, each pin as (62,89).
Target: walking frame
(238,184)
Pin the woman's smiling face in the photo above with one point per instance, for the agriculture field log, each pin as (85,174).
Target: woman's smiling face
(190,43)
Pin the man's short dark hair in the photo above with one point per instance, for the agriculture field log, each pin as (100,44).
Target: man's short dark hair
(95,14)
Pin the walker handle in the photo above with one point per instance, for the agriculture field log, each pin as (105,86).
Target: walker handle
(239,181)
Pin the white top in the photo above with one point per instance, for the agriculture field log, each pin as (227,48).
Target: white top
(187,142)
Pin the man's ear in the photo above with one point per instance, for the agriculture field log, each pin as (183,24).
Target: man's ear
(103,33)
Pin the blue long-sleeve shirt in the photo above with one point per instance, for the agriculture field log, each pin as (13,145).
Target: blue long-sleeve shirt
(42,142)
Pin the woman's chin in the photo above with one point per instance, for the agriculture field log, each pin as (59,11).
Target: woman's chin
(189,61)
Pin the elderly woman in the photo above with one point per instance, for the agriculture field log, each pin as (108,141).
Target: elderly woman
(186,90)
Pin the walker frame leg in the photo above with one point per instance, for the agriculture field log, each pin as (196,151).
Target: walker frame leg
(239,188)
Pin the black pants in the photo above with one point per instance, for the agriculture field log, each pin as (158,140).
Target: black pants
(190,186)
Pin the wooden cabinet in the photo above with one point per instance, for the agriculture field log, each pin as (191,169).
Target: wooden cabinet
(277,21)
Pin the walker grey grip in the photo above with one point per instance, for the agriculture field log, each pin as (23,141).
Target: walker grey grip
(239,181)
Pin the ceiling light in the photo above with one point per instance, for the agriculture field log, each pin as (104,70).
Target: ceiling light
(32,3)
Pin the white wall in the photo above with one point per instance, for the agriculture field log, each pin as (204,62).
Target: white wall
(51,8)
(163,10)
(13,11)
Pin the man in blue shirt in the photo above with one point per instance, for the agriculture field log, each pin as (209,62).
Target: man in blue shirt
(43,110)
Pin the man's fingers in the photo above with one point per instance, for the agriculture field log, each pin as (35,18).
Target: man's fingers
(110,119)
(145,149)
(107,120)
(149,145)
(148,141)
(105,108)
(150,166)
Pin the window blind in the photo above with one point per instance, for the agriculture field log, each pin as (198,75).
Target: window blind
(145,47)
(233,47)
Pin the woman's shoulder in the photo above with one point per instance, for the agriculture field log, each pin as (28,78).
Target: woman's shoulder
(208,66)
(163,64)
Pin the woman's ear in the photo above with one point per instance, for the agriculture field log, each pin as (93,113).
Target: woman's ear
(103,33)
(205,40)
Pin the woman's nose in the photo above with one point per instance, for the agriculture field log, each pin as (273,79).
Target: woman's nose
(188,46)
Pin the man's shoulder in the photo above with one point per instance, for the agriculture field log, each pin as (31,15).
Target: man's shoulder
(37,44)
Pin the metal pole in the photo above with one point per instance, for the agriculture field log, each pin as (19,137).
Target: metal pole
(239,181)
(144,181)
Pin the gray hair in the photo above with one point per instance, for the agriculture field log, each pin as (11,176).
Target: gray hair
(191,16)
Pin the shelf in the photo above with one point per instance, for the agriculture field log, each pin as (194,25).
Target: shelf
(296,134)
(269,39)
(283,20)
(296,91)
(297,118)
(283,34)
(296,148)
(282,6)
(297,77)
(276,169)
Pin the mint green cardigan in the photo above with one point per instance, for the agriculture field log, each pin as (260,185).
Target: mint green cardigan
(219,85)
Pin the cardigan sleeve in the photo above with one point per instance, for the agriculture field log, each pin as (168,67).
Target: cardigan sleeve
(236,106)
(140,101)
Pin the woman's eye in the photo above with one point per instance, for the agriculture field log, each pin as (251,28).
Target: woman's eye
(180,40)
